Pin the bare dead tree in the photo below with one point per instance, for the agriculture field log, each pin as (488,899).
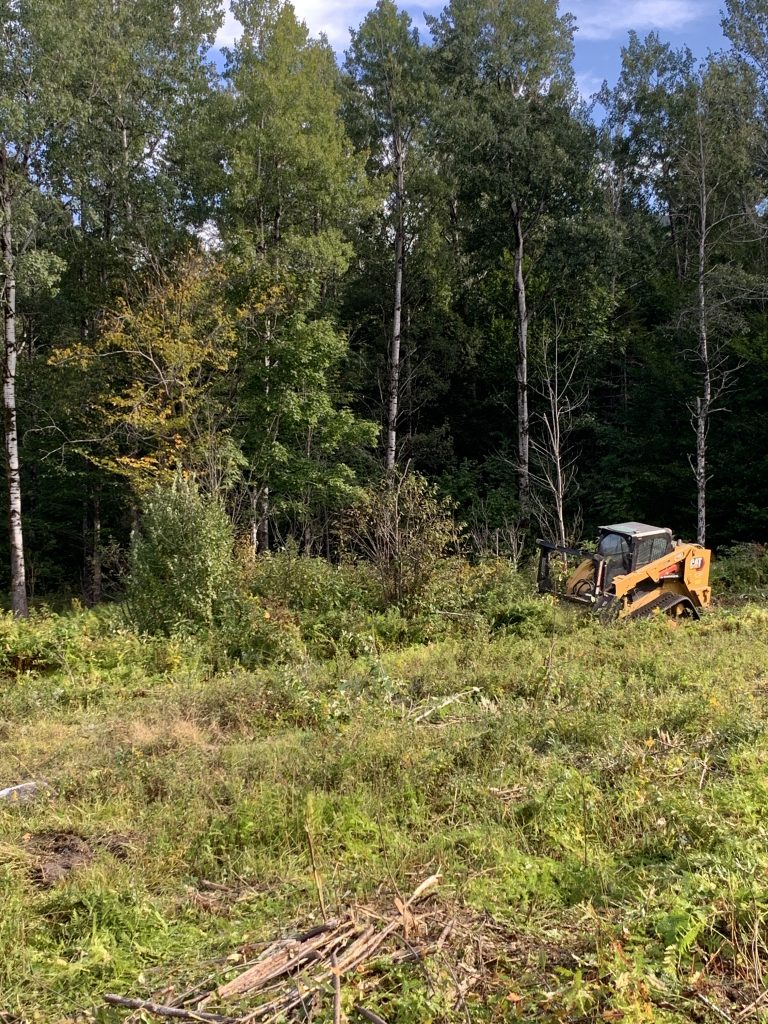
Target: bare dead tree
(554,461)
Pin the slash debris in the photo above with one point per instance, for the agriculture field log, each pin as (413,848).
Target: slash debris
(299,972)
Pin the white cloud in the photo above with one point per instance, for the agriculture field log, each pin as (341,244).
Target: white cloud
(229,31)
(596,19)
(333,17)
(588,84)
(605,19)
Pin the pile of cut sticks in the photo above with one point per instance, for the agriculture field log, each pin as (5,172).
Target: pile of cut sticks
(299,972)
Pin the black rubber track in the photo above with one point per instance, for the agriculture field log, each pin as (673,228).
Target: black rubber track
(665,603)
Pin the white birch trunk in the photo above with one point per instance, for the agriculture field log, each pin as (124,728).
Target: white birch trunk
(704,400)
(556,413)
(394,351)
(96,556)
(523,420)
(262,530)
(15,532)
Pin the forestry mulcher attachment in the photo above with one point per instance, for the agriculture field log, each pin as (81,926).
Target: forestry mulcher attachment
(635,571)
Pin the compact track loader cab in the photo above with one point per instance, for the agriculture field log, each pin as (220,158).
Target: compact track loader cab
(636,570)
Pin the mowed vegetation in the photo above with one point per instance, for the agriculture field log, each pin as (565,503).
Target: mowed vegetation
(593,798)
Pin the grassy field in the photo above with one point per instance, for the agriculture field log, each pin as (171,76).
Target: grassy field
(593,799)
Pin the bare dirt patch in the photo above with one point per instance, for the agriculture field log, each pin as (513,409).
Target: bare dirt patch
(55,855)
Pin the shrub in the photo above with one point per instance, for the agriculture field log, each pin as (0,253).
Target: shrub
(255,633)
(311,585)
(742,568)
(181,565)
(404,528)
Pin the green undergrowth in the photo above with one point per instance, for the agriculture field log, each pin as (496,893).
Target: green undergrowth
(598,793)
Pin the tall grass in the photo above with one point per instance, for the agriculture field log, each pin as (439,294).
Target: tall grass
(598,793)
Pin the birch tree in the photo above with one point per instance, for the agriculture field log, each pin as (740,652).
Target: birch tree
(696,139)
(143,87)
(562,397)
(718,160)
(37,66)
(387,66)
(139,79)
(515,146)
(745,23)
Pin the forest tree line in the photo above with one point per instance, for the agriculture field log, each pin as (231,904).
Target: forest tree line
(285,275)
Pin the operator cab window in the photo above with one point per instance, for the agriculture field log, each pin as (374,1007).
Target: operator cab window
(651,548)
(614,548)
(613,545)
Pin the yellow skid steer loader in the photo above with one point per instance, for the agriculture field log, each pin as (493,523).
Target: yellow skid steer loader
(636,570)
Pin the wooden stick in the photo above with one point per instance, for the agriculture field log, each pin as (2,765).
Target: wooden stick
(290,957)
(315,873)
(336,990)
(419,891)
(167,1011)
(446,933)
(279,1007)
(440,707)
(356,953)
(369,1015)
(713,1007)
(359,949)
(743,1014)
(319,929)
(370,940)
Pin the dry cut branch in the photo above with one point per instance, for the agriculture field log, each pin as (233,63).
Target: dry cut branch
(300,970)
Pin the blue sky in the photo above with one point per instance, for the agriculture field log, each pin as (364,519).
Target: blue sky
(602,27)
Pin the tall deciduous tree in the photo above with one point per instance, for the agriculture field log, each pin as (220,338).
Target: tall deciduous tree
(745,23)
(387,66)
(293,187)
(643,111)
(717,157)
(37,67)
(141,73)
(694,138)
(145,80)
(293,418)
(513,143)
